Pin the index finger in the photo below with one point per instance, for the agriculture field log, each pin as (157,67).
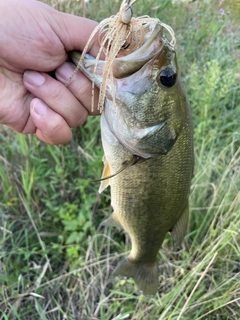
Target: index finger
(76,33)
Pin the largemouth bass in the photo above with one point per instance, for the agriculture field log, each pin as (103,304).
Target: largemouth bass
(146,130)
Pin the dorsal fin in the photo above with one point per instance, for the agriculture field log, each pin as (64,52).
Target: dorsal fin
(179,230)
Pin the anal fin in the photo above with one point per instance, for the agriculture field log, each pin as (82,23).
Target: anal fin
(112,221)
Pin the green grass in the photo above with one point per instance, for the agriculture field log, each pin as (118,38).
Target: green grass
(54,261)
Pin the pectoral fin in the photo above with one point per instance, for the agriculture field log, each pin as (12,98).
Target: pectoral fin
(155,140)
(179,230)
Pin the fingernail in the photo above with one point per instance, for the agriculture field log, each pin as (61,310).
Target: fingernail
(39,107)
(34,78)
(64,72)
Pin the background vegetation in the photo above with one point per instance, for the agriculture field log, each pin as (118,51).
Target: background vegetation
(56,264)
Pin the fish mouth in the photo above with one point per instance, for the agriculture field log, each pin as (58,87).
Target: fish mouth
(131,63)
(123,66)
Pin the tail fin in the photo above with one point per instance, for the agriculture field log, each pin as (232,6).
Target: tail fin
(145,275)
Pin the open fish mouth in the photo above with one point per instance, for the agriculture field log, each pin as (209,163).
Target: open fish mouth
(133,77)
(123,66)
(127,65)
(131,83)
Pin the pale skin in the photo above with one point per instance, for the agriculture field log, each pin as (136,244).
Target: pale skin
(34,40)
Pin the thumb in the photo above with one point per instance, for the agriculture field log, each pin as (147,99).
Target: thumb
(74,32)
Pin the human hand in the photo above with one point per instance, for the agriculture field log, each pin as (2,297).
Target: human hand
(34,40)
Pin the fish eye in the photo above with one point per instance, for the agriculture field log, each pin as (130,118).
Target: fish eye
(167,77)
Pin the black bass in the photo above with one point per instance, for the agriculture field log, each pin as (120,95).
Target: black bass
(146,129)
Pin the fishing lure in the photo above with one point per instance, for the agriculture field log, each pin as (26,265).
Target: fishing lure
(120,34)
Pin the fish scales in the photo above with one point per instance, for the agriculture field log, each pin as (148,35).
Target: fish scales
(141,198)
(146,130)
